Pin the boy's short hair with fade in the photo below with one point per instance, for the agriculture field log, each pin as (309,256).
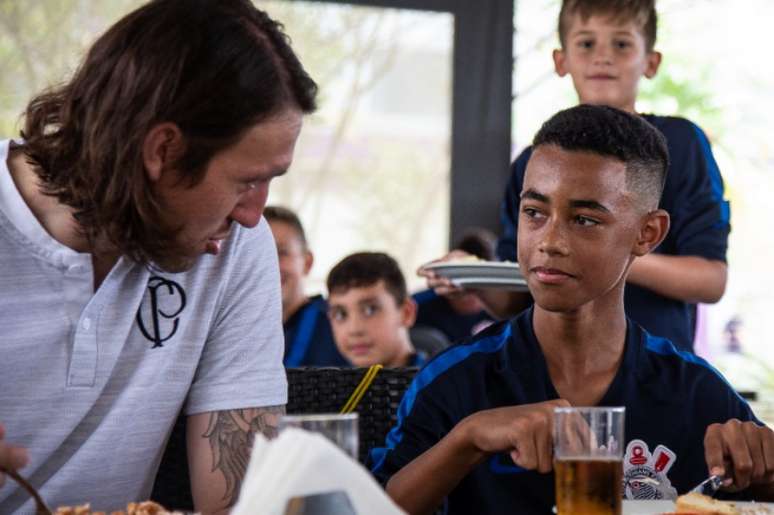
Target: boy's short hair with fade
(364,269)
(608,131)
(286,216)
(643,12)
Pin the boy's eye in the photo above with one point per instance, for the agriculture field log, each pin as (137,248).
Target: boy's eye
(586,221)
(622,44)
(337,315)
(530,212)
(586,43)
(370,309)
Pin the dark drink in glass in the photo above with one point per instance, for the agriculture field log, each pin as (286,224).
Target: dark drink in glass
(588,460)
(589,486)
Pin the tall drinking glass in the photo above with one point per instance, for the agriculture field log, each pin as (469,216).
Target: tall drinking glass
(588,460)
(341,429)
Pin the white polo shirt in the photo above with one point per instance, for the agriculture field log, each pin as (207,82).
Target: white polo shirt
(91,382)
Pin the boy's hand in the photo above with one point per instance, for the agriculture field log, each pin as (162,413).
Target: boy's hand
(523,431)
(442,285)
(742,452)
(11,458)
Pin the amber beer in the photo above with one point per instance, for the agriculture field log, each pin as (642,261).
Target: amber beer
(589,486)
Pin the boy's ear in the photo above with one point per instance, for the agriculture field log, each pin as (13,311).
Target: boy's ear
(653,62)
(162,147)
(653,230)
(408,312)
(308,261)
(559,62)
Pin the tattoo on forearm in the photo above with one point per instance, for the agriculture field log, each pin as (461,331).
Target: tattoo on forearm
(231,436)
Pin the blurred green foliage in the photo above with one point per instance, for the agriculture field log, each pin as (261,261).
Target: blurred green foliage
(681,88)
(41,41)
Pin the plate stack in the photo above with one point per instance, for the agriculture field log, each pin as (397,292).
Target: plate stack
(481,274)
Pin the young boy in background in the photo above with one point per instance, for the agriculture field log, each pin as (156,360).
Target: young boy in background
(475,426)
(607,46)
(308,336)
(371,312)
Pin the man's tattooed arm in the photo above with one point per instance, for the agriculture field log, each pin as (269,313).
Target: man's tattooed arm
(219,445)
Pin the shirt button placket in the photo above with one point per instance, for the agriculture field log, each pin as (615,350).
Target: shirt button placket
(79,292)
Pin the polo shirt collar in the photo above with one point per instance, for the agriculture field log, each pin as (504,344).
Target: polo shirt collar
(24,228)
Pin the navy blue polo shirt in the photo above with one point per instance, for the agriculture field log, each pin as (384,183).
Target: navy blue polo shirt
(309,338)
(693,197)
(670,397)
(434,310)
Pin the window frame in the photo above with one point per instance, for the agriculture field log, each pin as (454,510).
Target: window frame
(482,71)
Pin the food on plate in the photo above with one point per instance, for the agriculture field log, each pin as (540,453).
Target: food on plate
(698,503)
(755,509)
(133,508)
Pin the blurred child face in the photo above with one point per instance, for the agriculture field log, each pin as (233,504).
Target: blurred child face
(295,261)
(579,229)
(370,327)
(606,59)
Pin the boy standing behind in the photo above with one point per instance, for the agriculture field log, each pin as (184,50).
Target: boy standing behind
(607,47)
(475,426)
(308,337)
(371,312)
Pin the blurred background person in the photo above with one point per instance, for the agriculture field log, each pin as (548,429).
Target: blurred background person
(308,336)
(371,312)
(459,314)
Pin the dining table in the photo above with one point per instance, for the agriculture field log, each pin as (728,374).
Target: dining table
(661,507)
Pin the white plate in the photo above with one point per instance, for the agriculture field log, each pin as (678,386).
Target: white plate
(659,507)
(478,269)
(491,282)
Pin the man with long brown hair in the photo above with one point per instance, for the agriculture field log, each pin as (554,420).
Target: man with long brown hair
(137,276)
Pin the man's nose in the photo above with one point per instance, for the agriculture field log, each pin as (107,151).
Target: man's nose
(250,207)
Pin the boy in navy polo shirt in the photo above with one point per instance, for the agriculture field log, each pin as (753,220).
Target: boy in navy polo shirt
(474,428)
(606,48)
(308,336)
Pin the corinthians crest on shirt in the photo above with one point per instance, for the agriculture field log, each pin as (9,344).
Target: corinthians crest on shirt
(645,474)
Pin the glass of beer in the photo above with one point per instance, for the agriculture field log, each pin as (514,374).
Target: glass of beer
(588,460)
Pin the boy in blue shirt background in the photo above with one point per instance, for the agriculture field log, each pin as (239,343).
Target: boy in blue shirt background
(308,337)
(606,48)
(475,427)
(371,311)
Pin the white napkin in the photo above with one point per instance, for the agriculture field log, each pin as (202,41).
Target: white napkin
(299,463)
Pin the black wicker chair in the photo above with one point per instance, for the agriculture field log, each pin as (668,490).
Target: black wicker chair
(310,390)
(326,390)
